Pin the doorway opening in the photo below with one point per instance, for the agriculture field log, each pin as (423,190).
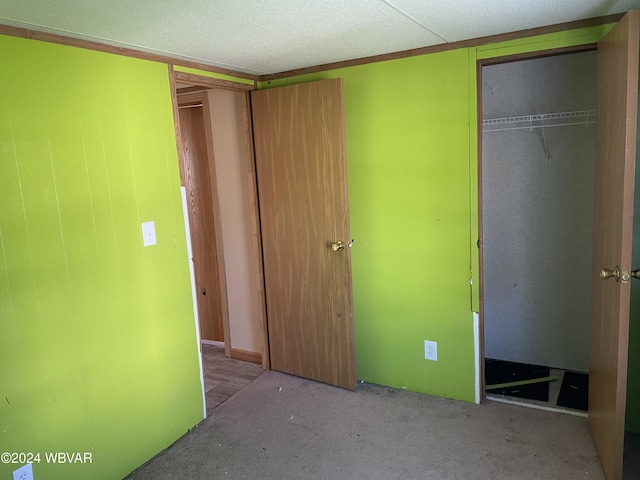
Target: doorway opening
(537,177)
(217,173)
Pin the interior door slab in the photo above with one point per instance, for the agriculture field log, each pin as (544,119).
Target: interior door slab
(302,189)
(612,240)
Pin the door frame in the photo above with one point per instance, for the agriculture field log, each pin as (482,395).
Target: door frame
(199,86)
(479,65)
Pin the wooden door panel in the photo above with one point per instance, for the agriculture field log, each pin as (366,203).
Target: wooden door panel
(201,221)
(301,172)
(613,224)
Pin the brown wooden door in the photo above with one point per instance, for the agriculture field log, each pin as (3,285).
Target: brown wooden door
(613,223)
(302,189)
(200,196)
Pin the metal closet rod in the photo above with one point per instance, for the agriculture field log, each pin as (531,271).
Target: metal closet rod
(558,119)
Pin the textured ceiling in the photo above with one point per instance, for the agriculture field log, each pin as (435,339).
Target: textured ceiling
(269,36)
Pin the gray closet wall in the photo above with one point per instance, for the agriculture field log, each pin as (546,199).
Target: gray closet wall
(537,213)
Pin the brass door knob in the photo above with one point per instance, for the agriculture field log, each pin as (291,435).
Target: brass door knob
(606,273)
(336,247)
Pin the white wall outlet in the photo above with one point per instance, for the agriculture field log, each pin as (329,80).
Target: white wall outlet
(430,350)
(23,473)
(148,233)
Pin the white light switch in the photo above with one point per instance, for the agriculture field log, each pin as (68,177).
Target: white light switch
(148,233)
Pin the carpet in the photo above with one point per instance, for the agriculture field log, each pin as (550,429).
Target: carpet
(574,392)
(286,428)
(500,372)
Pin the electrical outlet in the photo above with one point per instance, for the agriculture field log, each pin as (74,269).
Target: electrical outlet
(430,350)
(23,473)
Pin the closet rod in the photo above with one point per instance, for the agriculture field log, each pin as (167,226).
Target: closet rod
(543,120)
(529,127)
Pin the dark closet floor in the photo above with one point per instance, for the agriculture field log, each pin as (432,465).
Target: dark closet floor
(554,391)
(224,377)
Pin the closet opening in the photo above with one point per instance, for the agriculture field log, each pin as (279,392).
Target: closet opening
(536,216)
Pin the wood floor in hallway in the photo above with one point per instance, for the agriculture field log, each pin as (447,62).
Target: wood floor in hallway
(224,377)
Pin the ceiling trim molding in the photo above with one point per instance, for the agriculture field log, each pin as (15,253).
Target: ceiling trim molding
(475,42)
(127,52)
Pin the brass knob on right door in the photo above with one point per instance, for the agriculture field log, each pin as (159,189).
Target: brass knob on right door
(336,247)
(605,273)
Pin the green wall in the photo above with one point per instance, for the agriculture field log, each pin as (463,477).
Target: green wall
(97,334)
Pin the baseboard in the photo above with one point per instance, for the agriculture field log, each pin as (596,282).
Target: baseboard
(254,357)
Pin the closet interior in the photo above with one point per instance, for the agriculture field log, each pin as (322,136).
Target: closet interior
(537,177)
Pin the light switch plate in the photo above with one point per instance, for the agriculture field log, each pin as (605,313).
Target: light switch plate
(148,234)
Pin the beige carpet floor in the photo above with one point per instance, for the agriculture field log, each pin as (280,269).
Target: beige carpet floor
(284,427)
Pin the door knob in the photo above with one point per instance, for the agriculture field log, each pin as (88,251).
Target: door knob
(635,273)
(606,273)
(336,247)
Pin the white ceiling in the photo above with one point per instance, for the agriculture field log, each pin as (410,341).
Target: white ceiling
(269,36)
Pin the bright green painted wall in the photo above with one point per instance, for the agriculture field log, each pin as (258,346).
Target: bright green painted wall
(407,127)
(97,334)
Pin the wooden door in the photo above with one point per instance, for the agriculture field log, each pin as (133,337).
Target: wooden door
(613,224)
(302,189)
(200,196)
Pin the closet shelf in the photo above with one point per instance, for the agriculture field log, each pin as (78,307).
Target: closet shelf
(544,120)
